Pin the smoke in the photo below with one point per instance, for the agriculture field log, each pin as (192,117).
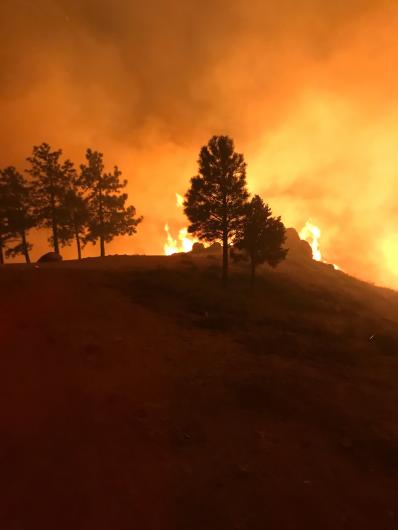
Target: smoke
(307,89)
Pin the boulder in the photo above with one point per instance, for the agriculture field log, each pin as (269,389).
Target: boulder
(298,248)
(50,257)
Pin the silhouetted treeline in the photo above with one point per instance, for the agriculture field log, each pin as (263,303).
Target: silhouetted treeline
(218,208)
(89,205)
(81,206)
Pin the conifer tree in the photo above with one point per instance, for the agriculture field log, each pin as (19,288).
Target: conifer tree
(51,180)
(3,220)
(17,212)
(77,216)
(214,204)
(74,214)
(262,236)
(108,214)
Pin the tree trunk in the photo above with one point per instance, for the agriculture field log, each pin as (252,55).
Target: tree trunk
(102,245)
(53,217)
(79,250)
(25,246)
(225,259)
(1,253)
(101,220)
(55,237)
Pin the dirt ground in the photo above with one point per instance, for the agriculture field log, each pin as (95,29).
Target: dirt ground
(126,406)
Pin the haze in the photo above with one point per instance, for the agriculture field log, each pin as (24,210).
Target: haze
(307,89)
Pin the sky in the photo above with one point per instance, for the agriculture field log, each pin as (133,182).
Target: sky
(308,89)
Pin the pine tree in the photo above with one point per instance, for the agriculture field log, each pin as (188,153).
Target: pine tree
(262,236)
(108,214)
(3,220)
(51,180)
(214,204)
(17,212)
(74,214)
(77,216)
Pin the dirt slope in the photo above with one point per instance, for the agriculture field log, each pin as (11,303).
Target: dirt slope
(137,395)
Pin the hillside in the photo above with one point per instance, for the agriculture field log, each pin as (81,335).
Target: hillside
(136,393)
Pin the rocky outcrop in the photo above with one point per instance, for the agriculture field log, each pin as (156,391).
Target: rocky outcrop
(298,248)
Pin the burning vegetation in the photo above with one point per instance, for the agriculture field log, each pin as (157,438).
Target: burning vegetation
(89,206)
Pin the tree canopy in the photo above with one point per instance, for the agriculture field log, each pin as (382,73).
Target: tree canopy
(261,236)
(50,181)
(16,214)
(76,218)
(82,207)
(215,202)
(108,214)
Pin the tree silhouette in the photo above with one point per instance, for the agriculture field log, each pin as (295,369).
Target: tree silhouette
(50,181)
(77,218)
(109,217)
(214,204)
(3,220)
(16,208)
(262,236)
(75,215)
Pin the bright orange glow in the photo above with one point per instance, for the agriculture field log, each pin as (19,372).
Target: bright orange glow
(390,254)
(180,200)
(183,243)
(312,234)
(317,125)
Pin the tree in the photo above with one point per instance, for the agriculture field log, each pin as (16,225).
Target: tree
(262,236)
(3,220)
(16,207)
(75,216)
(108,214)
(215,202)
(51,180)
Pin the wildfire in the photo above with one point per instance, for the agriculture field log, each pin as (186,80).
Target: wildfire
(312,234)
(180,200)
(183,243)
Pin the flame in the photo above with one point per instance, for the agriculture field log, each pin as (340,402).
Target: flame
(184,243)
(180,200)
(312,234)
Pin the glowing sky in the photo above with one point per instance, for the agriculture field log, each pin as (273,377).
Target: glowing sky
(308,89)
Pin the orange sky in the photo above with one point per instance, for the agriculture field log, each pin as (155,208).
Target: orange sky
(308,89)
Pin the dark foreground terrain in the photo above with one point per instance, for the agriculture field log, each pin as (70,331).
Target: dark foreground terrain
(136,394)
